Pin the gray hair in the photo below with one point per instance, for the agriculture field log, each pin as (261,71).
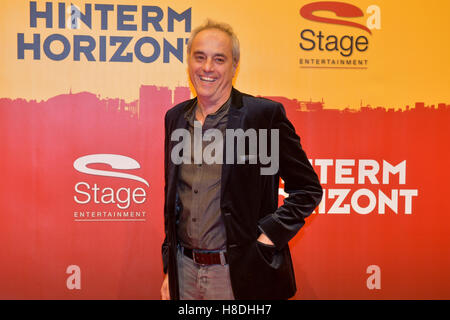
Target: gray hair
(211,24)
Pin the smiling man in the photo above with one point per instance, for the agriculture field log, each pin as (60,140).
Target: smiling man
(212,66)
(226,237)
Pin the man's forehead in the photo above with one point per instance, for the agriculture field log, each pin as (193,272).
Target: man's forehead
(212,34)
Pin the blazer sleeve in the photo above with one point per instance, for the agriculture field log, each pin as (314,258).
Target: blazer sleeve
(300,182)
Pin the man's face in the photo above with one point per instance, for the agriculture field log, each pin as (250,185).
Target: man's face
(210,64)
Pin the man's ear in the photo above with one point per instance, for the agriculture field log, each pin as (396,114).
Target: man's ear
(235,67)
(235,72)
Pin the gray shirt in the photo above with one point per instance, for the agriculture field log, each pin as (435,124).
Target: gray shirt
(200,223)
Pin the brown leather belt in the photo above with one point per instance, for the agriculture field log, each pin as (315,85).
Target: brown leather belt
(206,258)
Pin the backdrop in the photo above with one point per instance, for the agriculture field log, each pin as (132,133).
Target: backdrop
(84,87)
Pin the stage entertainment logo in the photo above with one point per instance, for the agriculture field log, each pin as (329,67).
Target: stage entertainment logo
(337,43)
(119,197)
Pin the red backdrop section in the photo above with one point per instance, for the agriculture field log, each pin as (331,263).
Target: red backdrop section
(390,255)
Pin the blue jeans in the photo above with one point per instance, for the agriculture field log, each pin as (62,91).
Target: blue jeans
(203,282)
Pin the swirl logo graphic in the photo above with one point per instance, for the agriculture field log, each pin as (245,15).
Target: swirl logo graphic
(114,160)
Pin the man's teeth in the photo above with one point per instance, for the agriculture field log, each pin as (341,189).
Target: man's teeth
(207,79)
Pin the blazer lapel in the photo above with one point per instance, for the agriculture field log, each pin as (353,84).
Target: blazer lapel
(234,122)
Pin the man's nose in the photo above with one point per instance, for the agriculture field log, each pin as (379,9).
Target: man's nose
(208,66)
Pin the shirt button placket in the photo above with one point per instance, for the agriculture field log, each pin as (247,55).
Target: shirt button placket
(196,203)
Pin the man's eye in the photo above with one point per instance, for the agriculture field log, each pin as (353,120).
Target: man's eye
(220,60)
(199,58)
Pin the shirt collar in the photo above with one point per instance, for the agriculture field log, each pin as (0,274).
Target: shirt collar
(189,115)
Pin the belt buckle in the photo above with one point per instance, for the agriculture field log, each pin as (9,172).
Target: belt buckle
(222,258)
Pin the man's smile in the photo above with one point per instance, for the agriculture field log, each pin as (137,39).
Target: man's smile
(207,79)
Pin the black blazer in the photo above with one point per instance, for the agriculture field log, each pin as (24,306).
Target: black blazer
(249,202)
